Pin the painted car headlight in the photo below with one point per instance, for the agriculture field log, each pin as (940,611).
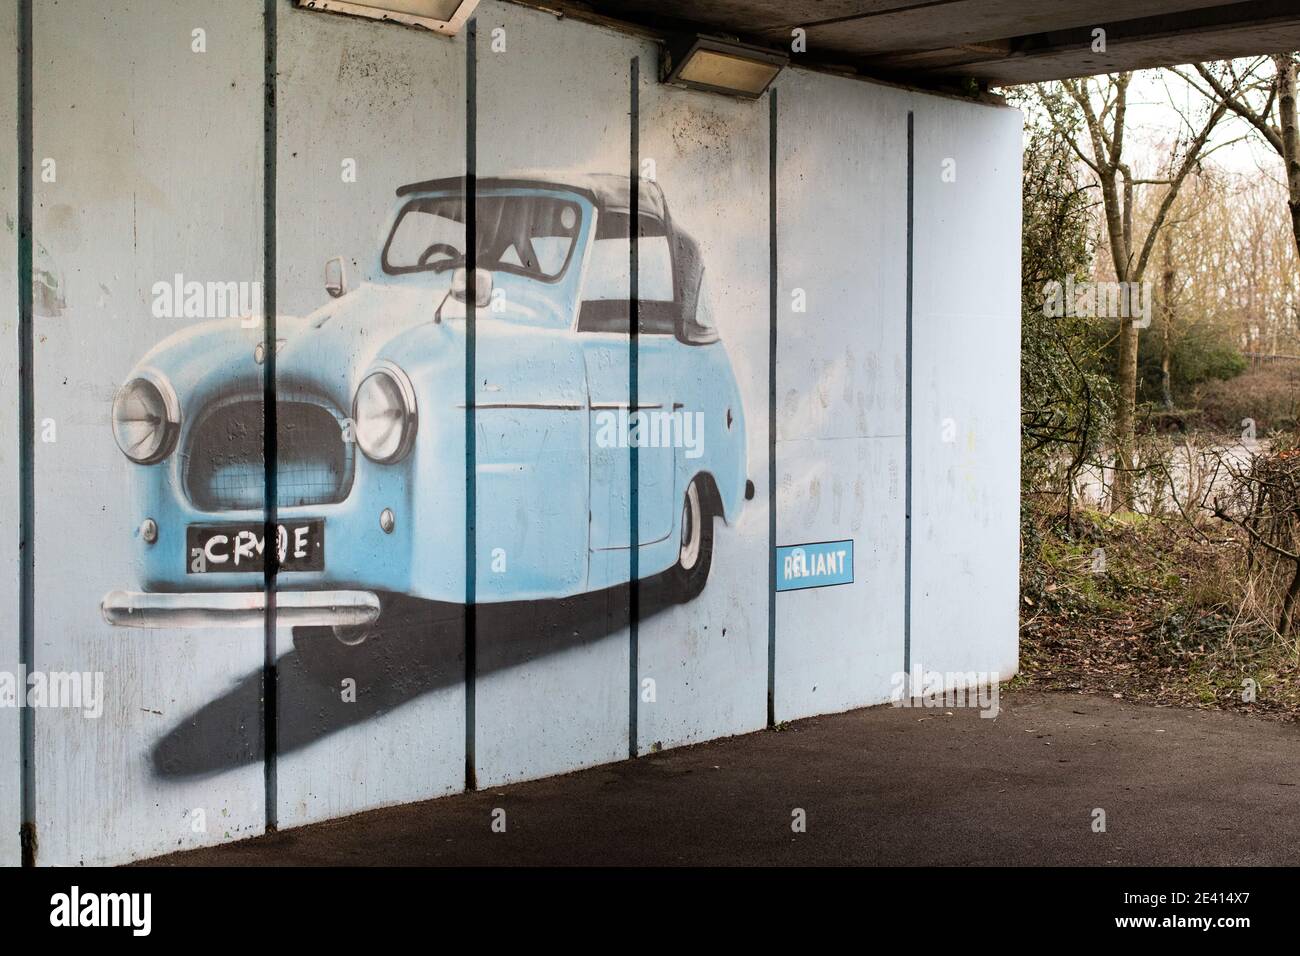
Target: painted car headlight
(384,414)
(146,419)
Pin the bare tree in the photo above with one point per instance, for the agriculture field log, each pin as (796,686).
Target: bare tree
(1168,276)
(1232,256)
(1267,103)
(1103,103)
(1194,256)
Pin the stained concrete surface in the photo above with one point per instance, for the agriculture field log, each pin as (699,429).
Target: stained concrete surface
(883,785)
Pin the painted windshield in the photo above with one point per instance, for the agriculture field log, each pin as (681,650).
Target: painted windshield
(531,236)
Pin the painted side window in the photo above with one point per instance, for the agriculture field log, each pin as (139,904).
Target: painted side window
(605,304)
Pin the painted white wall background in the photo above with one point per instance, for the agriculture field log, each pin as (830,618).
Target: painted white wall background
(160,172)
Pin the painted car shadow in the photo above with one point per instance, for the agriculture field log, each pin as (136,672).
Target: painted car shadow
(421,652)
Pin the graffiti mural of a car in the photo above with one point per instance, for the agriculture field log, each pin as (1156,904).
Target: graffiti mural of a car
(370,410)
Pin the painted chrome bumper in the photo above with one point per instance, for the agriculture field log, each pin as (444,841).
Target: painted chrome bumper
(239,608)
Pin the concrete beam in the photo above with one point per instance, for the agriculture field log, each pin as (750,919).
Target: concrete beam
(1000,42)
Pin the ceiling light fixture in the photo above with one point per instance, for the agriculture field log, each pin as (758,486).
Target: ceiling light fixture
(441,16)
(719,66)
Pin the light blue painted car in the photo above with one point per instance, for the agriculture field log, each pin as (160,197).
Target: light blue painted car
(370,409)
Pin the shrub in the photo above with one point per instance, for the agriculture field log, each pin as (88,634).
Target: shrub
(1268,394)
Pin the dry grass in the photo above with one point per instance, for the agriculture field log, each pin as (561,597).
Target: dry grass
(1173,618)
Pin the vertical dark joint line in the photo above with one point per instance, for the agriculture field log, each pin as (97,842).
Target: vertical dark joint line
(633,395)
(471,460)
(270,459)
(26,484)
(907,430)
(772,283)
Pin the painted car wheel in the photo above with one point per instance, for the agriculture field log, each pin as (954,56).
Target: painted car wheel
(695,554)
(689,555)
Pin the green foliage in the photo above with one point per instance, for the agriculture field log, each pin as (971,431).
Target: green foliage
(1201,351)
(1066,400)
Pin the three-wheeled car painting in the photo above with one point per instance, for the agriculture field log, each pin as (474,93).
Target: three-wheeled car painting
(370,422)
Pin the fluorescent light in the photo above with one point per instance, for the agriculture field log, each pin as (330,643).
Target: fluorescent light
(720,66)
(707,68)
(441,16)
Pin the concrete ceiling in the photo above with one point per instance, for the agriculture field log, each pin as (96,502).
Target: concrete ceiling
(997,42)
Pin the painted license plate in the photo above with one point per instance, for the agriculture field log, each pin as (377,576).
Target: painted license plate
(242,547)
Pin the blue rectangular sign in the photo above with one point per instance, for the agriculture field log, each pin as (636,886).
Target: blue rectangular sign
(817,565)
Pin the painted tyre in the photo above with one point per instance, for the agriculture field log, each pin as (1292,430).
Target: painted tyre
(695,554)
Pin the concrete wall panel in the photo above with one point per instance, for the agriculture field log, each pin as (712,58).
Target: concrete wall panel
(10,759)
(966,390)
(552,677)
(841,385)
(146,184)
(708,657)
(363,111)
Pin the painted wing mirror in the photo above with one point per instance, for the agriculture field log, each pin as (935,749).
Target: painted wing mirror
(455,302)
(336,277)
(460,286)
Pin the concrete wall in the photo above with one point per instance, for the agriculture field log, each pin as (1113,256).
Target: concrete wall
(159,171)
(10,765)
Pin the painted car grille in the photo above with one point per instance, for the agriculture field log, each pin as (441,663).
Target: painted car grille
(223,465)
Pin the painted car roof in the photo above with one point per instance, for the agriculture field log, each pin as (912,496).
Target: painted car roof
(608,191)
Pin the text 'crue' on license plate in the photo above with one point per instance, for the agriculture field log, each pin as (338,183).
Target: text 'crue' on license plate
(242,547)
